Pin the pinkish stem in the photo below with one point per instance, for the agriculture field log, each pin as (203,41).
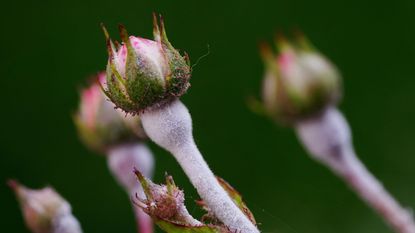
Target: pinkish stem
(122,160)
(327,137)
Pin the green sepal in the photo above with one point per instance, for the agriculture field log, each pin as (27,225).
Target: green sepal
(178,80)
(175,223)
(142,84)
(237,199)
(145,183)
(256,106)
(268,57)
(303,43)
(104,136)
(116,74)
(163,34)
(116,91)
(156,29)
(187,60)
(170,184)
(88,137)
(144,90)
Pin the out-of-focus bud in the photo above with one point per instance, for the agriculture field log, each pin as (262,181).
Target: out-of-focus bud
(44,210)
(142,73)
(299,82)
(99,124)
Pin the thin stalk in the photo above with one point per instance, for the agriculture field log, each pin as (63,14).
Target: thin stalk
(328,139)
(66,223)
(122,159)
(170,126)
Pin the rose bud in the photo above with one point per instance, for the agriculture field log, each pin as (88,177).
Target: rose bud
(100,125)
(299,82)
(44,210)
(142,73)
(164,202)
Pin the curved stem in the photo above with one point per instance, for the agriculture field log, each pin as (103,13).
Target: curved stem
(170,126)
(121,161)
(327,137)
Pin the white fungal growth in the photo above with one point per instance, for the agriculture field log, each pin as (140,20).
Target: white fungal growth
(66,223)
(122,159)
(170,126)
(327,138)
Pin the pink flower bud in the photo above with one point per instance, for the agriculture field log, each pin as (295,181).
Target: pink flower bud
(149,52)
(99,124)
(164,202)
(44,210)
(142,73)
(299,81)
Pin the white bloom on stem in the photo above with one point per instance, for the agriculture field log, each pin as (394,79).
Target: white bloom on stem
(301,88)
(144,87)
(171,128)
(327,138)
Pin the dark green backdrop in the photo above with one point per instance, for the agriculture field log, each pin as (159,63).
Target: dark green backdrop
(49,47)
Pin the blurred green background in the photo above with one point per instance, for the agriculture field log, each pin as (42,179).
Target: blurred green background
(48,48)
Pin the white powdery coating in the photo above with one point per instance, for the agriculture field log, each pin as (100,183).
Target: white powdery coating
(327,138)
(65,222)
(171,128)
(123,159)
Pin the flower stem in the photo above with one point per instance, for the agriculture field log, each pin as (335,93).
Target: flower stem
(122,160)
(170,126)
(66,223)
(327,137)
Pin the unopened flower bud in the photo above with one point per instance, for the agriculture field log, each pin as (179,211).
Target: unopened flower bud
(164,202)
(44,210)
(142,73)
(299,82)
(99,124)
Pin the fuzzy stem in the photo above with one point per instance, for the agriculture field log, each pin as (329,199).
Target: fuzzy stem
(66,223)
(327,137)
(122,160)
(170,126)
